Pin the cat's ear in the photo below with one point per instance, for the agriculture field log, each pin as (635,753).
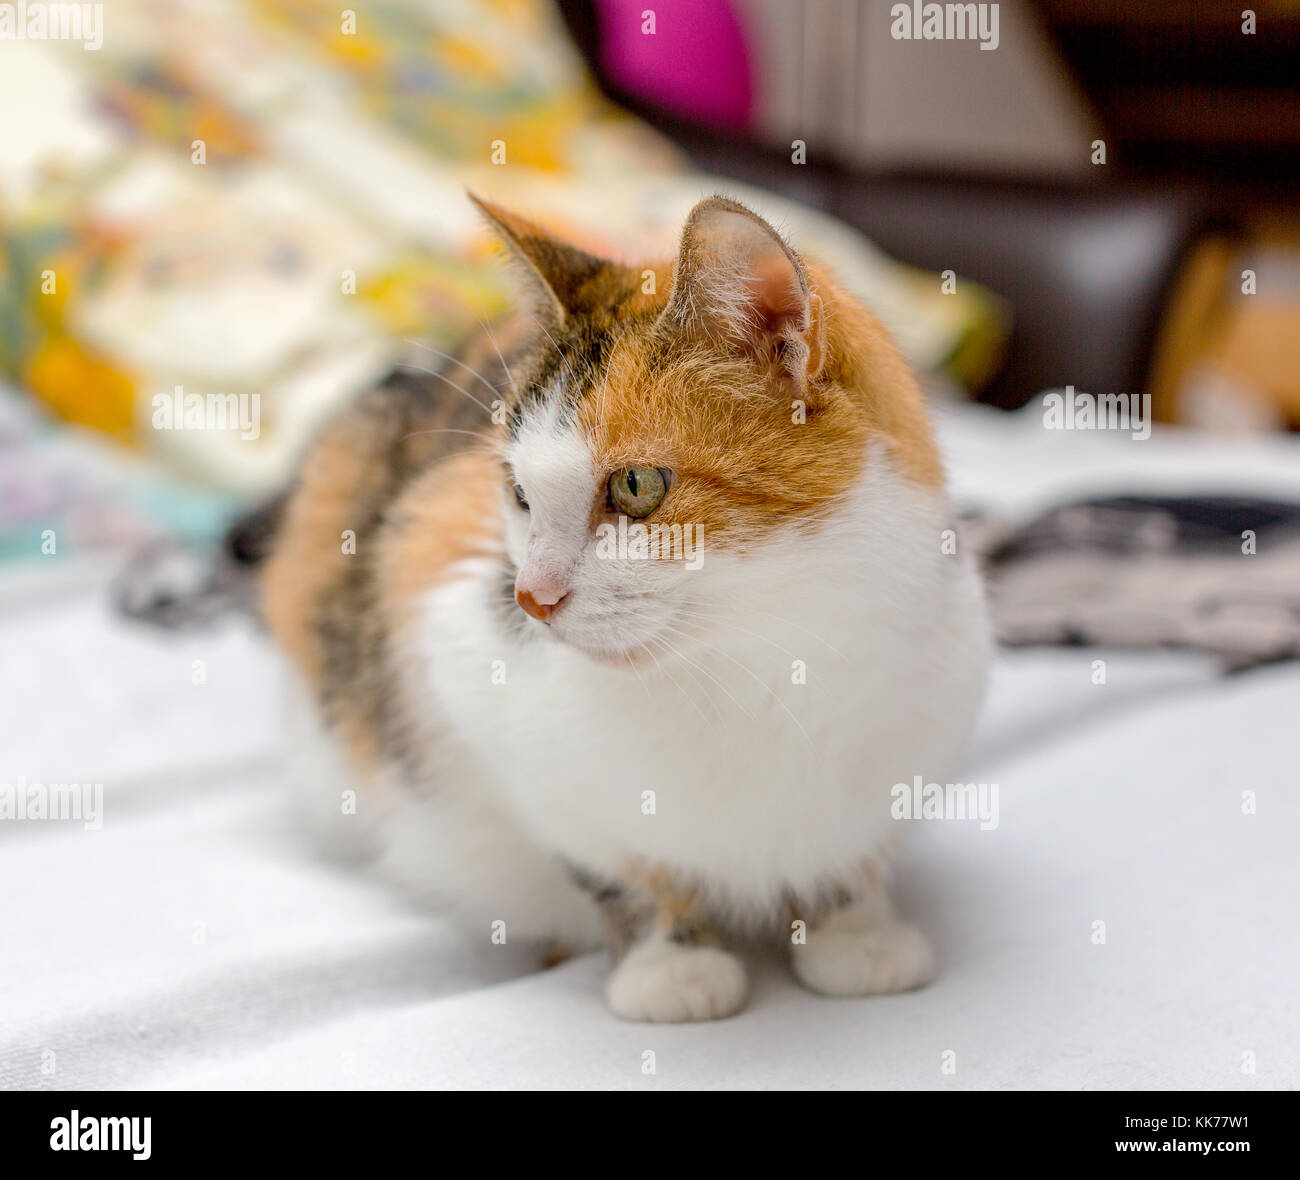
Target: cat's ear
(557,279)
(738,286)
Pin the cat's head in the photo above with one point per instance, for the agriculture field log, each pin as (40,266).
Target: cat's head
(674,429)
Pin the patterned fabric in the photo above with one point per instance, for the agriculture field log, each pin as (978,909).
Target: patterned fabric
(70,493)
(1216,573)
(268,198)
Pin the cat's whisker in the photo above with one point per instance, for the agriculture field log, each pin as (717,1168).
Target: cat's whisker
(728,621)
(633,665)
(604,385)
(443,377)
(709,695)
(757,680)
(673,681)
(493,444)
(500,355)
(789,623)
(564,360)
(682,656)
(735,627)
(455,361)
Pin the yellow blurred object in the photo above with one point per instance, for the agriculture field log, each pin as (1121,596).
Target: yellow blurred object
(469,57)
(1230,341)
(419,291)
(81,387)
(354,47)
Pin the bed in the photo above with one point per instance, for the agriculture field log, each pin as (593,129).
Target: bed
(194,939)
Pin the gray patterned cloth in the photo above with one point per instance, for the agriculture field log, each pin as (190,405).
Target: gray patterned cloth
(1216,574)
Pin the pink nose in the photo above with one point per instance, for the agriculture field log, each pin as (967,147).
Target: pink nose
(541,603)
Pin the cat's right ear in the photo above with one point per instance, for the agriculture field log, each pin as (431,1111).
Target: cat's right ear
(555,278)
(738,287)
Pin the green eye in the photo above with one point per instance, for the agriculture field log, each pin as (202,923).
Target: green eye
(637,491)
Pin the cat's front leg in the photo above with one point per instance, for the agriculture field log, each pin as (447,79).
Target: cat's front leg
(669,964)
(862,949)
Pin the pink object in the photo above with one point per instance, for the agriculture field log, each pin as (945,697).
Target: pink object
(695,63)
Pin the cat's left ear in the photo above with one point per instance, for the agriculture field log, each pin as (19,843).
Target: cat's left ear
(557,279)
(738,286)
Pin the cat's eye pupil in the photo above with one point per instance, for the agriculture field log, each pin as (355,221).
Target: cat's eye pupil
(631,481)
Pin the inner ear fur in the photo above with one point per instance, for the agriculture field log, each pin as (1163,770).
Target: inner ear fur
(738,286)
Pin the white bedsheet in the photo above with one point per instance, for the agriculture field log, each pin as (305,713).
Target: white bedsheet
(195,941)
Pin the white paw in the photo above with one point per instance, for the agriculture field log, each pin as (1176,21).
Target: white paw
(664,981)
(893,957)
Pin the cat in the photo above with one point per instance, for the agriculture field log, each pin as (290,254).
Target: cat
(562,731)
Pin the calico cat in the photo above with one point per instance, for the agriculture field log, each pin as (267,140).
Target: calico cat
(621,627)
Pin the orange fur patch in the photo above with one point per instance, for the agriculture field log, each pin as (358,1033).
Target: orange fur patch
(446,514)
